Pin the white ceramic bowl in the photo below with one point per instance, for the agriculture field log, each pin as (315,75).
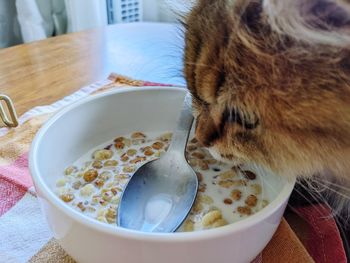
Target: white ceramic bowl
(97,119)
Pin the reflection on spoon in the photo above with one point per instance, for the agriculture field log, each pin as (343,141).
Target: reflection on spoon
(157,209)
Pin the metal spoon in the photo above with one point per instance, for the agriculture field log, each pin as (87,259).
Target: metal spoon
(161,193)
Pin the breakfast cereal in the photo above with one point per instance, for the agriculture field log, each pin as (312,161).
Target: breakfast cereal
(93,185)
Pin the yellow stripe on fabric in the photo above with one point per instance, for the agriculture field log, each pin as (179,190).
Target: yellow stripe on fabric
(52,252)
(17,141)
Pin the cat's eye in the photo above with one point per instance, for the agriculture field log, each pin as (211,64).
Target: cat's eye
(236,115)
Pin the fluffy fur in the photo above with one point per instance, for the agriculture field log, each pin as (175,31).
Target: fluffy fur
(271,84)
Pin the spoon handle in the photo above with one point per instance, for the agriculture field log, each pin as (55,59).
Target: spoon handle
(183,128)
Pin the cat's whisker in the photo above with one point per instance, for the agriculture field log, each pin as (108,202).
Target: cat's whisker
(289,205)
(337,192)
(315,193)
(312,184)
(262,172)
(335,212)
(318,210)
(244,185)
(338,201)
(318,179)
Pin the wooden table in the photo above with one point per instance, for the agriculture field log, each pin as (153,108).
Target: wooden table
(42,72)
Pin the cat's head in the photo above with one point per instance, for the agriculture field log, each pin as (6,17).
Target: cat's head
(271,82)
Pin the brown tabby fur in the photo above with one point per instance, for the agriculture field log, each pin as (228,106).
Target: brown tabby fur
(265,96)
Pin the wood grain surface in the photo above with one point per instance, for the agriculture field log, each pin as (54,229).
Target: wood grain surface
(42,72)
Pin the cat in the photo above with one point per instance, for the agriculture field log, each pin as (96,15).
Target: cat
(270,82)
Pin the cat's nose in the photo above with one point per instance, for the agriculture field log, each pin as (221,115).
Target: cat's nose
(206,132)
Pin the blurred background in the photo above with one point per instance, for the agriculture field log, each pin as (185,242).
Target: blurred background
(23,21)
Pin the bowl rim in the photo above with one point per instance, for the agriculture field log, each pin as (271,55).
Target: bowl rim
(93,224)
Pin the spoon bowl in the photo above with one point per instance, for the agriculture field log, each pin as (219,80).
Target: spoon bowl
(161,193)
(159,196)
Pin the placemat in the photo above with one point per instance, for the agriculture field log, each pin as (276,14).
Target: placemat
(26,237)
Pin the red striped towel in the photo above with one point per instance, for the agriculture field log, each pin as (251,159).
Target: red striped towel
(25,235)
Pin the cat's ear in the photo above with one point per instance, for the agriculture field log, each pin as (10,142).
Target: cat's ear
(321,21)
(326,14)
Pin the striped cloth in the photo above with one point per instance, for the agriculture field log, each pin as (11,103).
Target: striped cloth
(26,237)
